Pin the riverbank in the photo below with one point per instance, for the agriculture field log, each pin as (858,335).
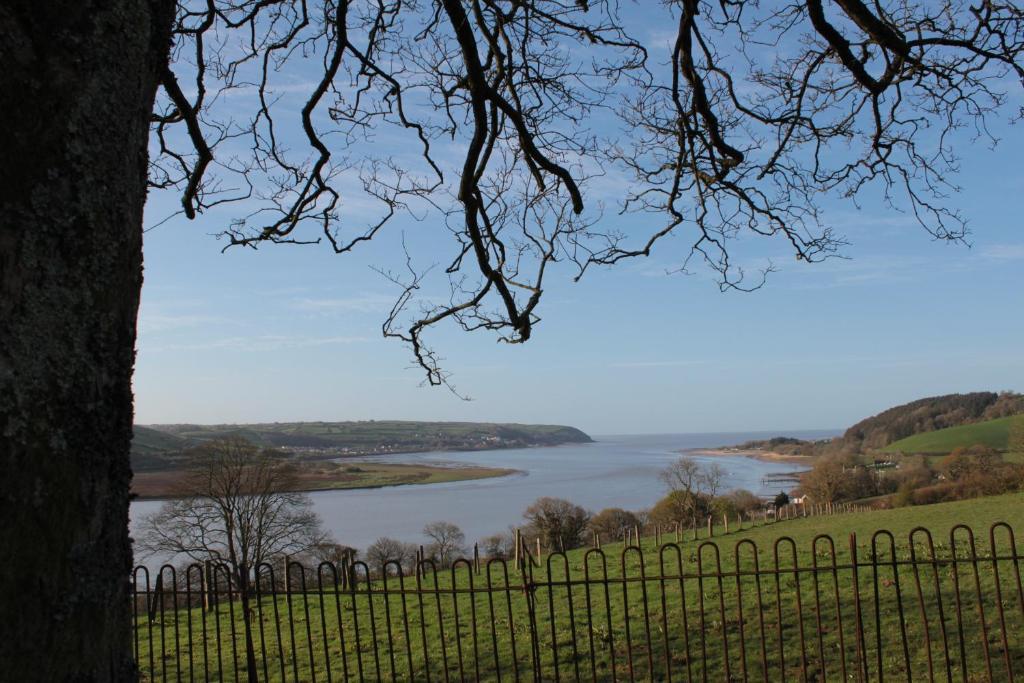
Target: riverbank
(615,471)
(332,476)
(763,456)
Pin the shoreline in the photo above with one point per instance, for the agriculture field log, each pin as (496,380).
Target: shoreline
(763,456)
(457,451)
(167,485)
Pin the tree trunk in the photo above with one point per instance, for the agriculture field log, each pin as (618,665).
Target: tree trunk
(77,84)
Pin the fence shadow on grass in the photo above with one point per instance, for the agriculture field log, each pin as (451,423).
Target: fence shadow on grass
(918,608)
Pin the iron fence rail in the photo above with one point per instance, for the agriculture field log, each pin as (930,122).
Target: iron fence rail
(678,611)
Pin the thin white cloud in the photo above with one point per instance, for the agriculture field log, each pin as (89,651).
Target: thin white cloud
(258,343)
(361,303)
(160,322)
(1004,252)
(657,364)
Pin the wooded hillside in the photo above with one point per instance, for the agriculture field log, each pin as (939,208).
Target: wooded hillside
(927,415)
(161,447)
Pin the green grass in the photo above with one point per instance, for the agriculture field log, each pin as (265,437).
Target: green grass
(693,641)
(993,433)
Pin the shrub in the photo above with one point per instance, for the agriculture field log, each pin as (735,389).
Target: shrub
(612,523)
(559,523)
(680,507)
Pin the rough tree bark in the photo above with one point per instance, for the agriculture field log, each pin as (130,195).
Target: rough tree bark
(76,92)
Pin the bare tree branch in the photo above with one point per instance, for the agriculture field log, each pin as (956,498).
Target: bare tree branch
(754,114)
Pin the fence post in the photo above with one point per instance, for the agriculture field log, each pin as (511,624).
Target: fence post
(250,650)
(858,614)
(476,557)
(678,538)
(711,529)
(539,556)
(526,575)
(211,585)
(725,519)
(156,596)
(204,585)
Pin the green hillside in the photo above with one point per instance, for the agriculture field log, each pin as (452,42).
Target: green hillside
(893,425)
(153,449)
(148,441)
(993,433)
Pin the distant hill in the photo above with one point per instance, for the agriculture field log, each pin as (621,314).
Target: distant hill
(161,446)
(991,433)
(915,419)
(153,449)
(928,415)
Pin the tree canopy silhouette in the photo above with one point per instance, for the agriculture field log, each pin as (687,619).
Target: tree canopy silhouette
(525,113)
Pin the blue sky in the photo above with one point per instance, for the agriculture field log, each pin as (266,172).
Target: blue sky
(293,332)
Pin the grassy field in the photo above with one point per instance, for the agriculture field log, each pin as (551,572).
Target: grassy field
(993,433)
(325,475)
(695,623)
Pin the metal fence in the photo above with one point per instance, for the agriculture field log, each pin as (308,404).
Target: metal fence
(917,608)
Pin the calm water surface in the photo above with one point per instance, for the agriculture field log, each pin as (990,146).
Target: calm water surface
(615,471)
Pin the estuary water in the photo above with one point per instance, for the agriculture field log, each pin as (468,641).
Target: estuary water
(614,471)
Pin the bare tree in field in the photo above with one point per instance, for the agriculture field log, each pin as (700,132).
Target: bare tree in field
(713,479)
(691,485)
(691,477)
(748,118)
(499,546)
(682,475)
(447,542)
(386,550)
(239,509)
